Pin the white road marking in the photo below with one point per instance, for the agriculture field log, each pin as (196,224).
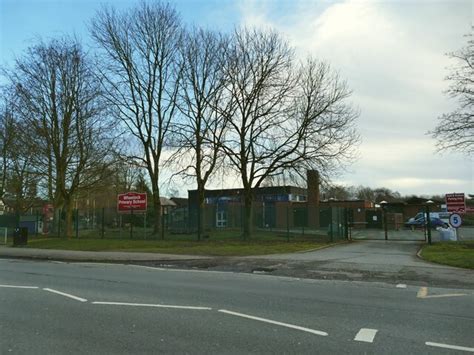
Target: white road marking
(65,294)
(366,335)
(153,305)
(423,293)
(308,330)
(447,346)
(14,286)
(401,286)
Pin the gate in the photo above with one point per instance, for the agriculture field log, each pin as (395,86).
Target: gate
(384,225)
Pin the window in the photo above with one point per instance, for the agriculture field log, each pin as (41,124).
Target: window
(221,219)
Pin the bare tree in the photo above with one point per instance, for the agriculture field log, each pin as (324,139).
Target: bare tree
(59,99)
(200,130)
(281,116)
(7,131)
(365,193)
(21,179)
(455,130)
(18,182)
(140,74)
(385,194)
(337,192)
(378,194)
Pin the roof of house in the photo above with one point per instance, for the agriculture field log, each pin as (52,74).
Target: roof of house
(167,202)
(180,201)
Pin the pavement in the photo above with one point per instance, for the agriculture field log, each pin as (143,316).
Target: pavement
(97,256)
(379,261)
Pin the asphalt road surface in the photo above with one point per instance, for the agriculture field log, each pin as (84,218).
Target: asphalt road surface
(59,308)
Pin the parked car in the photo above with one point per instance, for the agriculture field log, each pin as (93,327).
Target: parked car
(440,215)
(420,223)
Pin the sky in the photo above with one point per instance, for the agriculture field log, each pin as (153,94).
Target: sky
(392,54)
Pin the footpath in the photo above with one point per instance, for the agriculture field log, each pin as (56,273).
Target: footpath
(379,261)
(91,256)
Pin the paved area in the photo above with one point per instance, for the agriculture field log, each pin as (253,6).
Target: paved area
(406,234)
(379,261)
(363,252)
(372,260)
(31,253)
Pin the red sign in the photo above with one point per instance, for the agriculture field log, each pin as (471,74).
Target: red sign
(456,203)
(131,201)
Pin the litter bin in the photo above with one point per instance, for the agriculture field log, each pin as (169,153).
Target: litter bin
(447,234)
(20,236)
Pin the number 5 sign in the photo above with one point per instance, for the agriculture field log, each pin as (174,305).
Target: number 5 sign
(455,220)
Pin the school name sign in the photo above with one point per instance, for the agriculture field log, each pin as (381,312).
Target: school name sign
(131,202)
(456,203)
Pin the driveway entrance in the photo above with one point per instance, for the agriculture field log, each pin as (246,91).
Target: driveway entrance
(402,234)
(374,253)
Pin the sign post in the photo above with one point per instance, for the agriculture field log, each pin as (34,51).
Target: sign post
(132,202)
(455,221)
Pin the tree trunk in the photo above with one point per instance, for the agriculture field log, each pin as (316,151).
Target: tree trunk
(69,213)
(157,213)
(247,233)
(200,212)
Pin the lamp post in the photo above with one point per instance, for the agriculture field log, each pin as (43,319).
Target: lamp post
(384,210)
(428,219)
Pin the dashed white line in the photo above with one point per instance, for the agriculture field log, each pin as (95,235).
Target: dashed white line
(65,294)
(453,347)
(15,286)
(308,330)
(153,305)
(366,335)
(401,286)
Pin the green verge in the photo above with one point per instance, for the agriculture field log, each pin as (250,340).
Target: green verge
(460,254)
(216,245)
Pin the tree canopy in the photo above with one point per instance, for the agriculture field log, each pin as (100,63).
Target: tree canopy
(455,130)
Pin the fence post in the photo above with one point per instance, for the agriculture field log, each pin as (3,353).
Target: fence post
(346,223)
(37,221)
(162,223)
(331,226)
(77,223)
(304,220)
(131,223)
(120,225)
(287,222)
(103,222)
(59,222)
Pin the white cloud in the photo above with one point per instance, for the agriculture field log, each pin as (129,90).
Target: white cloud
(393,56)
(418,183)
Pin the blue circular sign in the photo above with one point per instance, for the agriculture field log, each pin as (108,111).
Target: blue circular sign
(455,220)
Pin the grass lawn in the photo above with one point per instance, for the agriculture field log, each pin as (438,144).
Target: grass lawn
(460,254)
(219,244)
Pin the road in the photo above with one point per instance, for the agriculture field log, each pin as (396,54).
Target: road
(371,260)
(57,308)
